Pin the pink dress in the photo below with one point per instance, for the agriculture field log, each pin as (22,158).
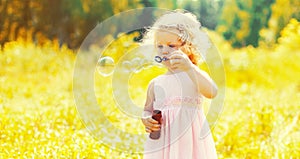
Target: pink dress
(185,133)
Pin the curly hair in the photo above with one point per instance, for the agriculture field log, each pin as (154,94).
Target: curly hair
(191,52)
(190,32)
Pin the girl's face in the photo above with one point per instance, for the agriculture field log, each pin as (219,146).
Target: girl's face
(165,43)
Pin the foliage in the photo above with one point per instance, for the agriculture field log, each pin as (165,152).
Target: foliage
(282,12)
(39,118)
(69,21)
(246,20)
(208,11)
(290,36)
(243,23)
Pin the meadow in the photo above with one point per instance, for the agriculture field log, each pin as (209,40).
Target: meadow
(39,118)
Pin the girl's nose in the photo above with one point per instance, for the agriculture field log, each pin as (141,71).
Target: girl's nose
(165,50)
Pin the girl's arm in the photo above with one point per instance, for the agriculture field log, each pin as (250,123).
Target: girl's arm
(150,124)
(205,85)
(148,108)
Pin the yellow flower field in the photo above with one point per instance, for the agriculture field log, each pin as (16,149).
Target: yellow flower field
(39,119)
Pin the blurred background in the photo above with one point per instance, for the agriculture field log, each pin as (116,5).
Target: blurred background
(243,23)
(39,39)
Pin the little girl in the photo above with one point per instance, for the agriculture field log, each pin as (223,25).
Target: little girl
(178,93)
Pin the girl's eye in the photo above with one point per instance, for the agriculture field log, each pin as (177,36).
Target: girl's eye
(172,46)
(159,46)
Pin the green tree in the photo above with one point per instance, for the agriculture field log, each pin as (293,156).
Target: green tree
(282,12)
(69,21)
(208,11)
(241,21)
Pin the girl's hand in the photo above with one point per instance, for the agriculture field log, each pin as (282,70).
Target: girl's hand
(151,124)
(180,61)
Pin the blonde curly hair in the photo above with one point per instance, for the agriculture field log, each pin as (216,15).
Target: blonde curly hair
(190,33)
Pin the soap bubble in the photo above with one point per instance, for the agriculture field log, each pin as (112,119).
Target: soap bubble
(127,66)
(135,65)
(136,61)
(105,66)
(143,65)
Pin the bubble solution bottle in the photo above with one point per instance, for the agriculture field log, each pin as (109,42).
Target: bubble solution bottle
(156,115)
